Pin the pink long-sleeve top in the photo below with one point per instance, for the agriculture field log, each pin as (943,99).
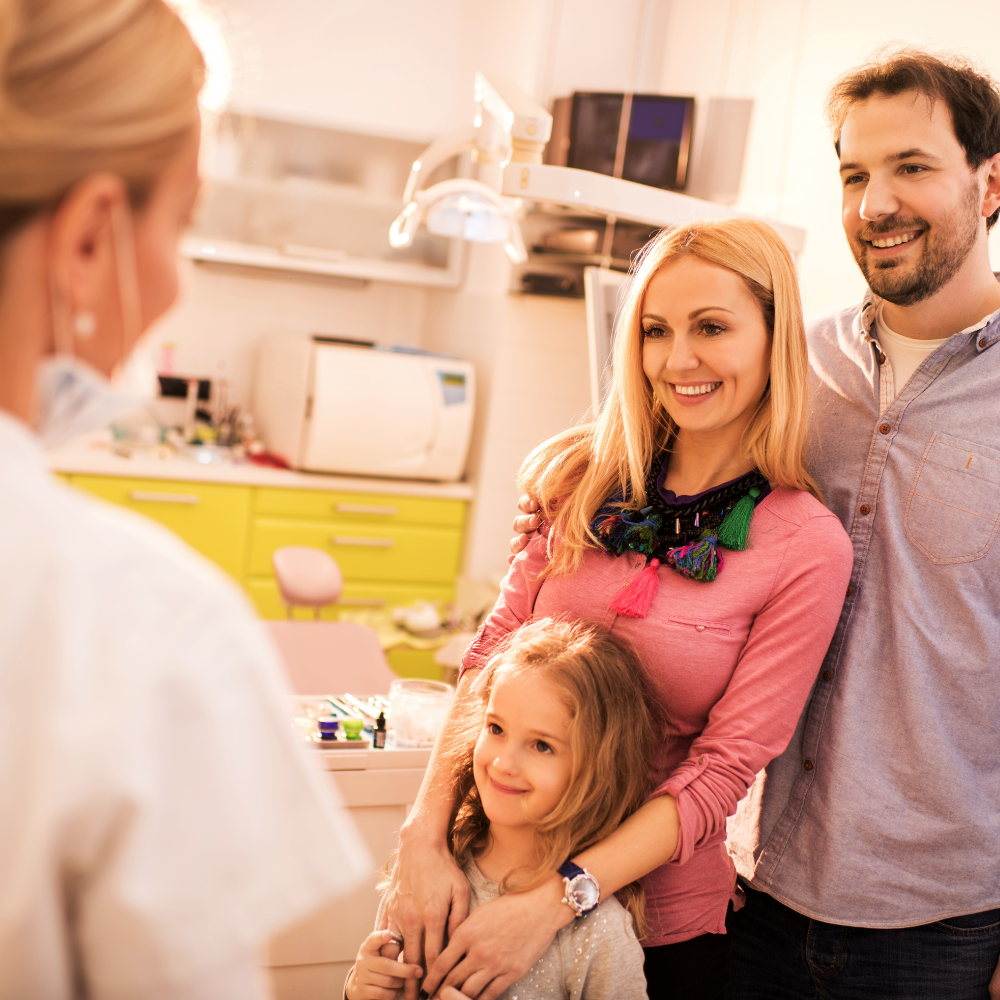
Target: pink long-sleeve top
(732,663)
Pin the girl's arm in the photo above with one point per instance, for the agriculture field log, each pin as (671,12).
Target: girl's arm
(428,890)
(750,725)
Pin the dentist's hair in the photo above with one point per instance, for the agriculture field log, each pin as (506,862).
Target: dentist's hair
(574,473)
(89,86)
(614,730)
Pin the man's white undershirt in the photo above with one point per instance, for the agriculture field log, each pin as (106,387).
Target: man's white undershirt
(904,353)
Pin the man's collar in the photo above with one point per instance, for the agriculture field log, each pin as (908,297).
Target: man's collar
(870,306)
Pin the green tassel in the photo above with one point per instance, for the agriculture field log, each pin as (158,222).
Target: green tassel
(734,532)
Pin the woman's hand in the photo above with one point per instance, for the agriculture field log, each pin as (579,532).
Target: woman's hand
(499,943)
(377,974)
(428,893)
(526,525)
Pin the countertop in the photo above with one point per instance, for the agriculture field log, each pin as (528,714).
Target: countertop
(371,760)
(97,459)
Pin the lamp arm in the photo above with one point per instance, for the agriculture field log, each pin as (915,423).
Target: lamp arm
(440,150)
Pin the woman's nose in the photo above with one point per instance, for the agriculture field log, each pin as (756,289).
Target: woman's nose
(682,356)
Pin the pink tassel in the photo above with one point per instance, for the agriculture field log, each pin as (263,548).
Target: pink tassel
(634,599)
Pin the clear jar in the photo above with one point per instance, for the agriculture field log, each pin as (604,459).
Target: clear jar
(417,710)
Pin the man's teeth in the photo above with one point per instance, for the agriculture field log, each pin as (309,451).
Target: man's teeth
(892,241)
(697,390)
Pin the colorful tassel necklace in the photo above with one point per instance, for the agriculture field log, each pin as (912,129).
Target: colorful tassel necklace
(687,537)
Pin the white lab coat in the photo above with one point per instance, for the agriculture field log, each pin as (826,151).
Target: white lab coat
(158,820)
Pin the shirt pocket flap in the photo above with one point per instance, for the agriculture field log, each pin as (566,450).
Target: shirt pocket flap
(700,624)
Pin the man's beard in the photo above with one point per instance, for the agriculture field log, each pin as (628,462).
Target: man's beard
(904,283)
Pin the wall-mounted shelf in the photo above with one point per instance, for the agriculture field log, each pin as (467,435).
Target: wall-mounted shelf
(298,260)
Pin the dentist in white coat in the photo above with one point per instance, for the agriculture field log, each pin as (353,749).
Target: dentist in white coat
(158,821)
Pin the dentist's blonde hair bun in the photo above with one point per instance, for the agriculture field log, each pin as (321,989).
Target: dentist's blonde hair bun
(89,86)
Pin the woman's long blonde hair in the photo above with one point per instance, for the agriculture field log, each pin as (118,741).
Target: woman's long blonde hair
(574,473)
(89,86)
(614,730)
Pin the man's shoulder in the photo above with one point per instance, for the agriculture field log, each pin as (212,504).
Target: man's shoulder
(827,327)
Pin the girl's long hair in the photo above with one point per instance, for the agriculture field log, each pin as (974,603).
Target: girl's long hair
(614,730)
(573,474)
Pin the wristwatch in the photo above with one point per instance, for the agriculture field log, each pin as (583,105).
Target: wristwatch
(582,891)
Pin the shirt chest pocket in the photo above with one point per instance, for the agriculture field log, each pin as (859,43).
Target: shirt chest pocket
(953,508)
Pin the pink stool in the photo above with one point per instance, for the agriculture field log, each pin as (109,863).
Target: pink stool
(306,578)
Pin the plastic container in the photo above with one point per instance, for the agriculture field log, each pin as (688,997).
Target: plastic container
(417,710)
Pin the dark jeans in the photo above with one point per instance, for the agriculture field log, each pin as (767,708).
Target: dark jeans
(780,955)
(689,970)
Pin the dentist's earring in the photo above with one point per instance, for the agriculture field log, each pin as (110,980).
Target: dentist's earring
(84,324)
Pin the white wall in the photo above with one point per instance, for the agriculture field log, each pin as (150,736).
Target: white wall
(785,54)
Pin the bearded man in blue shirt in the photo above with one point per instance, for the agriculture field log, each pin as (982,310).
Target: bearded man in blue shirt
(870,850)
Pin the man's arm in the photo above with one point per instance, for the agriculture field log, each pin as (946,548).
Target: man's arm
(526,525)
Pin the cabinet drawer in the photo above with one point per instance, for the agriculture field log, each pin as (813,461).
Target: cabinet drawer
(360,508)
(396,553)
(264,593)
(212,519)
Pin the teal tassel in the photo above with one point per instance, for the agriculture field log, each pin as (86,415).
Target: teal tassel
(700,560)
(734,532)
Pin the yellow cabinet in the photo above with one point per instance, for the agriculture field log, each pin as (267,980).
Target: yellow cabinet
(212,518)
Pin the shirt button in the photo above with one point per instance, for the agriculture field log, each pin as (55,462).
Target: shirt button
(699,628)
(827,674)
(850,590)
(982,344)
(701,760)
(864,509)
(881,358)
(884,429)
(808,765)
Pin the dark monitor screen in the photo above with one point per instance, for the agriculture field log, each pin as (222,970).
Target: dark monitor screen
(657,139)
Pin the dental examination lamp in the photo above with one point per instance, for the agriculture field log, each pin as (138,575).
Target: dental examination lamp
(510,131)
(509,127)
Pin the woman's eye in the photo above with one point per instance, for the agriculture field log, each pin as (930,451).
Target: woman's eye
(654,332)
(542,747)
(494,729)
(711,329)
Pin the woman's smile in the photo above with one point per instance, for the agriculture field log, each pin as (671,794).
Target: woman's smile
(694,393)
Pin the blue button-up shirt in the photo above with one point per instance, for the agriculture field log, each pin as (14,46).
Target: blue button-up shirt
(885,809)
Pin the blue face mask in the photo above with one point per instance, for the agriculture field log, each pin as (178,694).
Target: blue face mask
(72,398)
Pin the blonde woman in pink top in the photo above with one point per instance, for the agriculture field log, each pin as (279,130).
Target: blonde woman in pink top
(684,518)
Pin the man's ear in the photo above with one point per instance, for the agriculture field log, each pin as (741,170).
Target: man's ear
(991,196)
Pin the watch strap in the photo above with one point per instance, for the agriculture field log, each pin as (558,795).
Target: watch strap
(569,870)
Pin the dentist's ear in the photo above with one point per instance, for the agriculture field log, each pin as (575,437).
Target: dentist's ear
(84,272)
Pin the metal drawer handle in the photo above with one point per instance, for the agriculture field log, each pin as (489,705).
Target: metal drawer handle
(364,508)
(382,543)
(164,497)
(362,602)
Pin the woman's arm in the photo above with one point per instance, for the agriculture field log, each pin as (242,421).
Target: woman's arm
(428,890)
(750,725)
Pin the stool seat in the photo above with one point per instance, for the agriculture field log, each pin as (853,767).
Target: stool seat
(307,577)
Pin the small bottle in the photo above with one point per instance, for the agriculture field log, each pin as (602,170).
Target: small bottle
(378,733)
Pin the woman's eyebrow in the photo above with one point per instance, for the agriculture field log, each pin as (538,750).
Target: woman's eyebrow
(703,309)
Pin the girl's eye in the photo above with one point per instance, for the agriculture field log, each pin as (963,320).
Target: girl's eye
(542,747)
(494,729)
(711,329)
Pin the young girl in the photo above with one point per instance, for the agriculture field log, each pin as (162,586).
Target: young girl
(557,759)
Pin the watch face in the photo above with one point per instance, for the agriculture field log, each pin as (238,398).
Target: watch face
(584,892)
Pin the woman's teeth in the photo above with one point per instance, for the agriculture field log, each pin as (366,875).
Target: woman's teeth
(892,241)
(697,390)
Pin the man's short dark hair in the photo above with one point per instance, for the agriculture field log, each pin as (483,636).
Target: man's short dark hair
(971,96)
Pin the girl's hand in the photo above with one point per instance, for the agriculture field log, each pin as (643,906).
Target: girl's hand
(500,942)
(526,525)
(428,894)
(377,974)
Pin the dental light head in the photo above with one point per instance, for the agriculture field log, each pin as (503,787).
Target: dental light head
(509,127)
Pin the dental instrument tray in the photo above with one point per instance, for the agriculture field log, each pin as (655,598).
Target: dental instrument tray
(337,722)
